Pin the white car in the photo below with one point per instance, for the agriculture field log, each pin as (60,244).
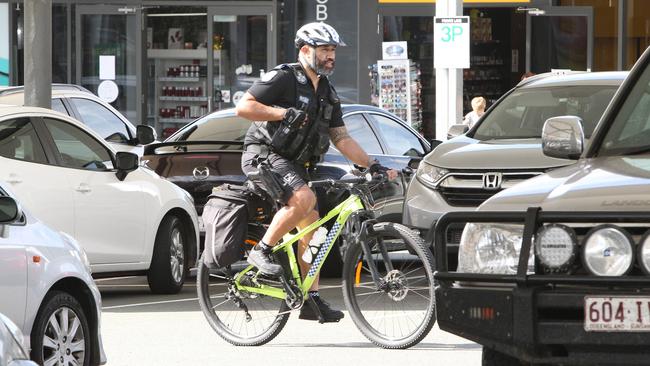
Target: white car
(47,289)
(128,219)
(79,103)
(13,352)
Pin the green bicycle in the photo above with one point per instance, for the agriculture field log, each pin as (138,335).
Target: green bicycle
(388,285)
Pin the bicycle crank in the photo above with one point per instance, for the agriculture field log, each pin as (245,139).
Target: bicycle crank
(295,298)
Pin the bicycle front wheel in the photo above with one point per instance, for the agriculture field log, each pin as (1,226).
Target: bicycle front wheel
(241,318)
(399,310)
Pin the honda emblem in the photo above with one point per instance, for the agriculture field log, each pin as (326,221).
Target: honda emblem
(201,173)
(492,181)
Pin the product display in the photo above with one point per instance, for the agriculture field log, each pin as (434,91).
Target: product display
(179,86)
(399,89)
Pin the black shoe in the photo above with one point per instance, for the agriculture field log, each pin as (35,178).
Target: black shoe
(263,262)
(329,314)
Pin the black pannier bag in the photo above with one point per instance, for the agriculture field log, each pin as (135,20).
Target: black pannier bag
(226,216)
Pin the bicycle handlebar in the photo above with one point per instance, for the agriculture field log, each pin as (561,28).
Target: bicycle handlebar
(375,179)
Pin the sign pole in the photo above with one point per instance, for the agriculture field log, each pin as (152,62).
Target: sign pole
(38,53)
(451,55)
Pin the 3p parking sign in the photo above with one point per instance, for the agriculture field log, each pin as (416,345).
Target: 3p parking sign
(451,42)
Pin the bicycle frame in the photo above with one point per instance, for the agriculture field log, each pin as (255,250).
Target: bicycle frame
(341,212)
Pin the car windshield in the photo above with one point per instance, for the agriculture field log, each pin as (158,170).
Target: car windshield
(629,133)
(215,128)
(522,113)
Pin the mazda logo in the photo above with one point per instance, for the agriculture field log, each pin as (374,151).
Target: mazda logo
(201,173)
(492,181)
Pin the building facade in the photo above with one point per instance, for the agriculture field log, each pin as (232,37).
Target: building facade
(176,60)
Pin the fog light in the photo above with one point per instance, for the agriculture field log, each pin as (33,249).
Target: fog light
(644,253)
(555,246)
(607,251)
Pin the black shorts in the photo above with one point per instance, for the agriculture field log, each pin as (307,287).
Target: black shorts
(294,175)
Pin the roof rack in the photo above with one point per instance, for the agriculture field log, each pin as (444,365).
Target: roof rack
(21,88)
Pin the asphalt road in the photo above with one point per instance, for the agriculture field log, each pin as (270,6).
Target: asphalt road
(141,329)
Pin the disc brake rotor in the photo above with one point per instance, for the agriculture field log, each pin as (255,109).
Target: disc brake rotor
(397,285)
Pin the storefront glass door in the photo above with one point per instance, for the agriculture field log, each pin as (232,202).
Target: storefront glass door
(561,38)
(113,32)
(244,48)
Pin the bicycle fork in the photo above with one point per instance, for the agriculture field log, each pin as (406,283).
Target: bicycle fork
(367,231)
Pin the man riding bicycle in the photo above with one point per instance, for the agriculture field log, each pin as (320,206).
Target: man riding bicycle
(298,113)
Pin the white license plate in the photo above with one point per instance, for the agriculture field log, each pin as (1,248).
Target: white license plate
(617,314)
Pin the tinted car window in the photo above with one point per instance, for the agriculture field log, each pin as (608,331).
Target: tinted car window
(522,113)
(18,140)
(215,128)
(101,120)
(78,149)
(57,105)
(399,140)
(630,131)
(359,130)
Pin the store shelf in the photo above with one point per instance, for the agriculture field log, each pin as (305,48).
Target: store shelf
(179,79)
(198,54)
(176,120)
(184,99)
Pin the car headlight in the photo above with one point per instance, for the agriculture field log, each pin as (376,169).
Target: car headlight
(555,246)
(15,350)
(430,175)
(491,248)
(608,251)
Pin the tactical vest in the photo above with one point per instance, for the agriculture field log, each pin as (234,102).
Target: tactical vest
(306,143)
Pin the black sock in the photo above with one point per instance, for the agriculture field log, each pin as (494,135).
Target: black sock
(265,248)
(314,294)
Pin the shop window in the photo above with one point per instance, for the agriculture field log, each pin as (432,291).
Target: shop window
(605,32)
(638,30)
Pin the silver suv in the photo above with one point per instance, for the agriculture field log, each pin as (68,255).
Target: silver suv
(556,270)
(504,147)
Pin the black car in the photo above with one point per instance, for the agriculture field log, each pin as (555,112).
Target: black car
(207,153)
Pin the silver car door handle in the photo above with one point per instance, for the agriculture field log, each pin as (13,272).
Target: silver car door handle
(83,188)
(14,179)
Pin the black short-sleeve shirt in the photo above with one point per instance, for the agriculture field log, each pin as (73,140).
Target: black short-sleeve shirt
(278,87)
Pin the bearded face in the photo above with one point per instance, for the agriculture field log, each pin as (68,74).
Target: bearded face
(321,59)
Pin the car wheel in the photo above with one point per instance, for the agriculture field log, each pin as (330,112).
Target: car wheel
(61,334)
(168,264)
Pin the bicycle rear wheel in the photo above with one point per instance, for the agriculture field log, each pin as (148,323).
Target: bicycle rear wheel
(223,305)
(400,312)
(220,304)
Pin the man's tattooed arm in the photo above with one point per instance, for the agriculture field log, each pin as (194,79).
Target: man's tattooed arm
(338,133)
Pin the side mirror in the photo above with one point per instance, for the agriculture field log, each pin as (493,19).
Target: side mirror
(563,137)
(10,211)
(145,134)
(125,162)
(456,130)
(433,143)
